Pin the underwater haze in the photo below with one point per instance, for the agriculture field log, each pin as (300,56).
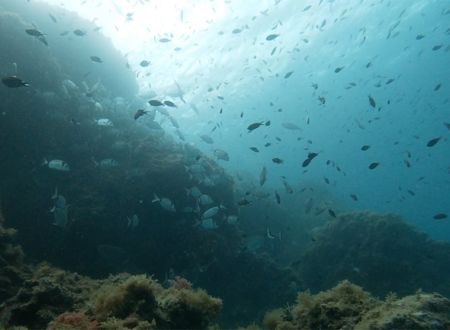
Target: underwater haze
(230,142)
(395,52)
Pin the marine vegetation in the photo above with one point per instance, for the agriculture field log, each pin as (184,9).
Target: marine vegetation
(63,300)
(348,306)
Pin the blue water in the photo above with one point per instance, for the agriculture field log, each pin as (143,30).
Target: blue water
(348,74)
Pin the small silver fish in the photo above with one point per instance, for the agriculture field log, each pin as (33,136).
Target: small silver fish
(165,203)
(221,154)
(56,164)
(211,212)
(104,122)
(205,199)
(263,176)
(207,139)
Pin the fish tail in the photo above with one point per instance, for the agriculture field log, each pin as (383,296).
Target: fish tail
(155,198)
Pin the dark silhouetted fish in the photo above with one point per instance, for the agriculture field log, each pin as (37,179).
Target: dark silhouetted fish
(373,165)
(139,113)
(433,142)
(144,63)
(308,160)
(34,32)
(254,126)
(254,149)
(79,33)
(277,160)
(372,102)
(278,198)
(53,18)
(272,37)
(38,35)
(14,82)
(354,197)
(96,59)
(440,216)
(365,147)
(170,104)
(155,103)
(287,75)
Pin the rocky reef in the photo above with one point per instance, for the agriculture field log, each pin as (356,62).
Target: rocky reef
(43,296)
(56,299)
(12,267)
(381,253)
(348,306)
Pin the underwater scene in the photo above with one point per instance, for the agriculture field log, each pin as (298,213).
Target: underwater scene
(225,164)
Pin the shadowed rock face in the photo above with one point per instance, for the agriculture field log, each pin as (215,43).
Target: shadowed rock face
(12,269)
(379,252)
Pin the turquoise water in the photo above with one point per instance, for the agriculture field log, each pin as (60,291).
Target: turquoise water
(363,86)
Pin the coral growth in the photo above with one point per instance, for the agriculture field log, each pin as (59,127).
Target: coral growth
(347,306)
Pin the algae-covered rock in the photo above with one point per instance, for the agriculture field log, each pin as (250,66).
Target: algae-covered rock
(46,293)
(140,301)
(134,296)
(348,306)
(188,309)
(418,312)
(341,306)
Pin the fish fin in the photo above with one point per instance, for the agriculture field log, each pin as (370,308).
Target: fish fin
(52,209)
(155,198)
(269,234)
(44,162)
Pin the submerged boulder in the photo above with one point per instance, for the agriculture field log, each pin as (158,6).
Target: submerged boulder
(379,252)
